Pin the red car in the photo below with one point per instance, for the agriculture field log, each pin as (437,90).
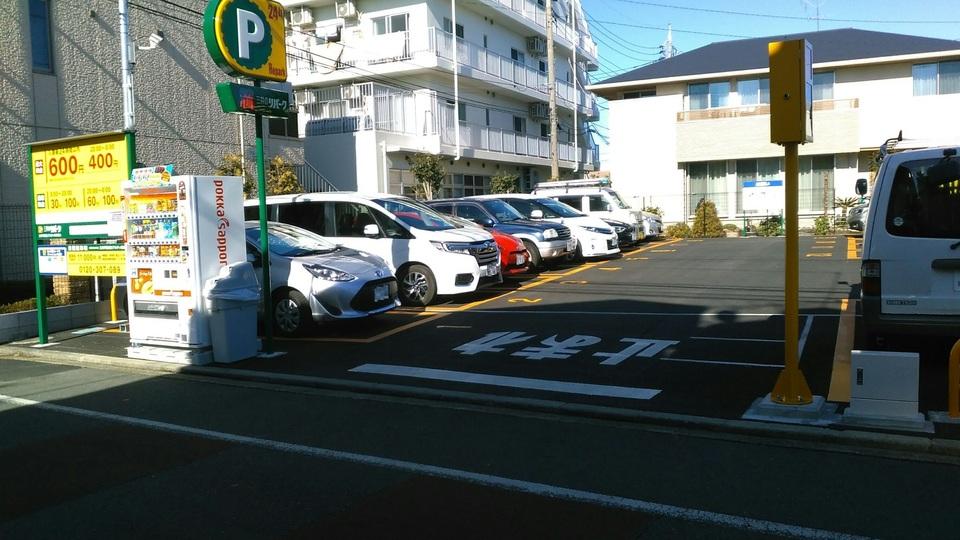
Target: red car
(514,257)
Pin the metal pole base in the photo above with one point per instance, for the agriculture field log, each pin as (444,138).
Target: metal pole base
(791,388)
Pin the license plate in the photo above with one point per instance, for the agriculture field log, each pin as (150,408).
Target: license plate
(381,293)
(521,260)
(571,244)
(489,270)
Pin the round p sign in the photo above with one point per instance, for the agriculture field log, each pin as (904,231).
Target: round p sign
(246,38)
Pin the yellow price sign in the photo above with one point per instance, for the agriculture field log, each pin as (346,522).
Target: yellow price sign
(78,179)
(90,262)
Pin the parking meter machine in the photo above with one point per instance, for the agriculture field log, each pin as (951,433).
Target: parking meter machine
(180,231)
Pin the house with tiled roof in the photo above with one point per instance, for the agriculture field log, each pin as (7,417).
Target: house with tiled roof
(697,125)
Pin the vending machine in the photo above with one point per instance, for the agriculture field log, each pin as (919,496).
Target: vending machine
(180,231)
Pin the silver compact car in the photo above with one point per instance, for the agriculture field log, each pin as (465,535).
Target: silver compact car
(313,280)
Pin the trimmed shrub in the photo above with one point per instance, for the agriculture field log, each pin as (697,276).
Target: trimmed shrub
(769,227)
(706,223)
(31,303)
(821,226)
(679,230)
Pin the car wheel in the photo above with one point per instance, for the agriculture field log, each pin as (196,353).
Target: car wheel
(417,285)
(291,313)
(535,259)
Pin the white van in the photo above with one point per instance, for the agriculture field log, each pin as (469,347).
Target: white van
(430,255)
(910,274)
(595,197)
(595,238)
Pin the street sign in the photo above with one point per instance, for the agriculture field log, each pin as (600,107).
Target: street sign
(791,91)
(246,38)
(77,181)
(244,99)
(52,260)
(96,260)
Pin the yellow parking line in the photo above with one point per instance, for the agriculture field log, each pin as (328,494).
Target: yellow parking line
(662,250)
(852,248)
(840,375)
(658,244)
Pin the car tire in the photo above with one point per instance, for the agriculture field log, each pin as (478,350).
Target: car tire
(417,286)
(291,313)
(536,261)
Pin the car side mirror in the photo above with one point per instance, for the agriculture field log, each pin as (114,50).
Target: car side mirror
(536,214)
(861,186)
(253,259)
(609,207)
(371,231)
(486,222)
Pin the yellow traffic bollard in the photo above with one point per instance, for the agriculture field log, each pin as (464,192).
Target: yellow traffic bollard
(114,310)
(953,382)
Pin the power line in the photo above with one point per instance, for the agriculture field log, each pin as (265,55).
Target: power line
(785,17)
(675,29)
(599,26)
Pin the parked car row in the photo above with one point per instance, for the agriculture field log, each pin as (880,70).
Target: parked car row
(346,255)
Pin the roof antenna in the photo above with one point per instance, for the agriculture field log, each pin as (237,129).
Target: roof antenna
(817,5)
(667,50)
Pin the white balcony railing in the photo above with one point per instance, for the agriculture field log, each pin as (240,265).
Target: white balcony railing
(419,114)
(531,10)
(414,45)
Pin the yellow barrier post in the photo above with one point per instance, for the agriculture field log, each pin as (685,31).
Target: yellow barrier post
(114,310)
(953,382)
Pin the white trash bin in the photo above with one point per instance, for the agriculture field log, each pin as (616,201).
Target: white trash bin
(233,298)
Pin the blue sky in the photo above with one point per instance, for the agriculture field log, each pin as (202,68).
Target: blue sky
(629,33)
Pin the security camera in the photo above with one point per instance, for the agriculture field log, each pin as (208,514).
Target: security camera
(154,39)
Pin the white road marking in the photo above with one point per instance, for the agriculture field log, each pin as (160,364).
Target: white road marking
(737,339)
(452,326)
(804,334)
(739,364)
(499,482)
(509,382)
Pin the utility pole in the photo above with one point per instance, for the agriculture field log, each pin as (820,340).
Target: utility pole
(126,59)
(552,93)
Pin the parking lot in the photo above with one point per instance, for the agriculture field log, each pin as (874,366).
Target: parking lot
(680,326)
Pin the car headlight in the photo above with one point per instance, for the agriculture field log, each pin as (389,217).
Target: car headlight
(328,274)
(451,247)
(550,234)
(598,230)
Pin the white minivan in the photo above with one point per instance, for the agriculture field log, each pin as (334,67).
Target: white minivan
(910,273)
(595,197)
(430,255)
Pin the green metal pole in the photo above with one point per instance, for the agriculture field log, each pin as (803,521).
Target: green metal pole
(264,242)
(41,292)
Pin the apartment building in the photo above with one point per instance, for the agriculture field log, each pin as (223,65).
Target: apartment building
(377,81)
(60,77)
(697,126)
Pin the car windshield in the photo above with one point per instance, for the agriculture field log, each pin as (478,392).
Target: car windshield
(925,199)
(416,215)
(501,210)
(616,198)
(289,241)
(559,208)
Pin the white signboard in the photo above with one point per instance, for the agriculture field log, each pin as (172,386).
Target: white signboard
(763,196)
(53,260)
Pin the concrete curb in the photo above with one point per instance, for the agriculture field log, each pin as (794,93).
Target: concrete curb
(838,435)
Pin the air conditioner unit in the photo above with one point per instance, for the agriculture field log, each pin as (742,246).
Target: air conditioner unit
(539,110)
(346,9)
(349,92)
(537,45)
(306,97)
(301,16)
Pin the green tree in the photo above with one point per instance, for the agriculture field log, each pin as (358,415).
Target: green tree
(706,223)
(504,182)
(233,165)
(429,172)
(281,178)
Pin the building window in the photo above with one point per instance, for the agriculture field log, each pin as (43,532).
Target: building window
(520,124)
(708,181)
(284,127)
(484,41)
(462,112)
(487,116)
(749,173)
(816,182)
(937,78)
(543,66)
(544,130)
(40,35)
(754,91)
(448,28)
(709,95)
(465,185)
(517,56)
(822,86)
(390,24)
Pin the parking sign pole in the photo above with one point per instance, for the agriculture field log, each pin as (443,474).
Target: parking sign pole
(264,238)
(41,290)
